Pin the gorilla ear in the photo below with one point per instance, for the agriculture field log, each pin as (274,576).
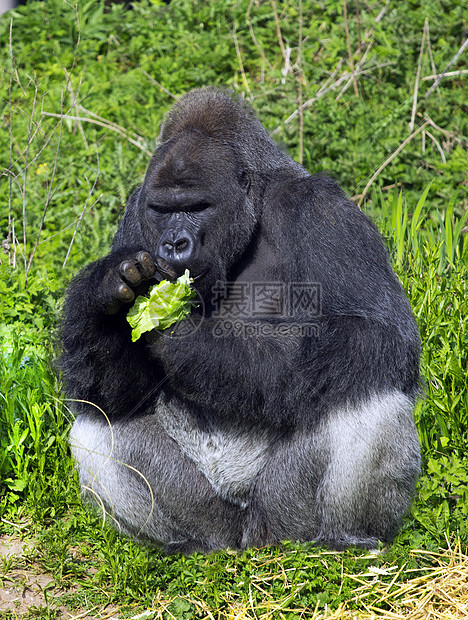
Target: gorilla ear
(244,181)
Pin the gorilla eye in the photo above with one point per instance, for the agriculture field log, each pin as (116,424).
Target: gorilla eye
(199,206)
(160,208)
(165,209)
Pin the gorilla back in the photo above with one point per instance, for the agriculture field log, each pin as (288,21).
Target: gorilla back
(282,407)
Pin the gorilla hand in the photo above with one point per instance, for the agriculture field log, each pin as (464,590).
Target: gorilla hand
(132,277)
(124,281)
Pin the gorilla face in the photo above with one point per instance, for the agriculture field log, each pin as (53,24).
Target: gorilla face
(196,208)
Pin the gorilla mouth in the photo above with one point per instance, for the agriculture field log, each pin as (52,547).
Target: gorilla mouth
(172,272)
(165,269)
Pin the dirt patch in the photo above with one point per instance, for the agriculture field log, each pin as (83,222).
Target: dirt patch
(20,587)
(24,591)
(24,587)
(11,546)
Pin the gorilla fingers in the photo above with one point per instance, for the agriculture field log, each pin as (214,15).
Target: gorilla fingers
(132,277)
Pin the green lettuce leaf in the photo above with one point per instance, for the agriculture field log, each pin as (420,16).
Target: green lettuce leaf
(167,303)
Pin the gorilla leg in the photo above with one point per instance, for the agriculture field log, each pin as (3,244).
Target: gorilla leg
(138,474)
(347,482)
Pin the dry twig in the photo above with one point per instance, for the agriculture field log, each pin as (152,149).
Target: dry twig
(156,83)
(90,193)
(278,30)
(49,194)
(345,77)
(265,60)
(460,139)
(31,135)
(348,45)
(106,124)
(453,61)
(429,48)
(445,75)
(10,236)
(74,104)
(437,143)
(416,82)
(300,110)
(239,60)
(391,158)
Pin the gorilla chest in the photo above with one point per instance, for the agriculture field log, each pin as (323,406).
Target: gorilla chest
(230,456)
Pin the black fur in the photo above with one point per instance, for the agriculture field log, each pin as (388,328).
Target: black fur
(253,438)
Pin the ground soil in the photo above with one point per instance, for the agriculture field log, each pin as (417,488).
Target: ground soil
(25,588)
(20,587)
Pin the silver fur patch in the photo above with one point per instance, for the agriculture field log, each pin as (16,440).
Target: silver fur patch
(230,456)
(367,443)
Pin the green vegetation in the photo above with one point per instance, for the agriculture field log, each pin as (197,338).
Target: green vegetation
(167,303)
(402,153)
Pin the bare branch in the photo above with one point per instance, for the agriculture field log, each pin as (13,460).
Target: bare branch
(239,60)
(444,75)
(453,61)
(460,138)
(330,78)
(15,243)
(83,212)
(49,192)
(418,73)
(278,30)
(10,235)
(391,158)
(429,47)
(346,76)
(254,39)
(382,12)
(156,83)
(74,104)
(287,65)
(25,179)
(108,122)
(359,65)
(78,27)
(110,126)
(300,110)
(439,148)
(72,223)
(348,45)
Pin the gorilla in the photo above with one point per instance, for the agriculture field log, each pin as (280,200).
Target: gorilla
(281,408)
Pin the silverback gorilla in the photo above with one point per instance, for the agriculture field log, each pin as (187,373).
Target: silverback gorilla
(289,419)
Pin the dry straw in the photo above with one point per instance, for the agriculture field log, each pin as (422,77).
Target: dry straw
(382,593)
(442,593)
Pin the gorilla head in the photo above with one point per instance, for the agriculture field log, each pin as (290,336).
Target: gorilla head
(253,428)
(192,187)
(202,196)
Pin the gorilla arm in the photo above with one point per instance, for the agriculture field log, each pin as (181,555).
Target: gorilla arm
(99,362)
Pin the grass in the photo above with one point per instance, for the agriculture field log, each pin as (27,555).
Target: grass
(294,582)
(94,568)
(82,99)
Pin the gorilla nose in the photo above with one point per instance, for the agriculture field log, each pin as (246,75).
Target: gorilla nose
(177,247)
